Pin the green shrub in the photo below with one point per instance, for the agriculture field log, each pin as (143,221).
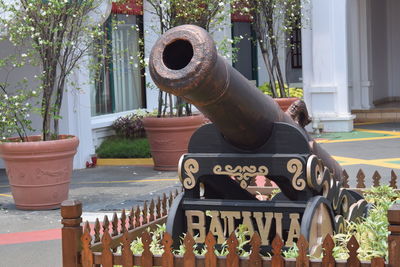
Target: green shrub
(290,92)
(372,232)
(117,147)
(129,126)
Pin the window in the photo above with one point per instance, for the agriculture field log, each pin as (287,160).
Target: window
(295,45)
(119,85)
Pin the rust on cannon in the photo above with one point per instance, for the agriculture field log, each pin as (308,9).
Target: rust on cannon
(185,63)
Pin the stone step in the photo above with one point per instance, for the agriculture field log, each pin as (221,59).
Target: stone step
(377,115)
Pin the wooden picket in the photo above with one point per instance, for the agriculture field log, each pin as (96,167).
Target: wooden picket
(361,181)
(109,242)
(393,180)
(127,259)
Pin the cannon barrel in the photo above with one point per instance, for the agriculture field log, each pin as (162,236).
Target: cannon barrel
(185,63)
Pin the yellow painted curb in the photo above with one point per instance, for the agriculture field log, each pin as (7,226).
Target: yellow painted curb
(345,161)
(5,195)
(370,122)
(125,162)
(325,141)
(377,131)
(129,181)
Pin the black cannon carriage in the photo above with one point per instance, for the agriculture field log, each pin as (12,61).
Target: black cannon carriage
(249,136)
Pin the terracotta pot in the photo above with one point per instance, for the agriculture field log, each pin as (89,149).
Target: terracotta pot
(39,172)
(169,138)
(285,102)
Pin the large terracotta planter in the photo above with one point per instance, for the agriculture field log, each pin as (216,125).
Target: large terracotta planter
(169,138)
(39,172)
(285,102)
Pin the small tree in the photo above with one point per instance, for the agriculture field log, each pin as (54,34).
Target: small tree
(274,22)
(54,35)
(208,14)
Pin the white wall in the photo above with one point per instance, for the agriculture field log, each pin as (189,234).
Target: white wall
(76,113)
(325,65)
(360,54)
(14,76)
(385,48)
(151,34)
(379,49)
(393,35)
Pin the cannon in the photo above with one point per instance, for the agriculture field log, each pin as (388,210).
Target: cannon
(249,136)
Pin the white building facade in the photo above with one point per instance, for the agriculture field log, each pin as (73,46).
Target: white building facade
(349,61)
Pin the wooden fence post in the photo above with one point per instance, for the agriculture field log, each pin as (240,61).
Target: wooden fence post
(71,232)
(394,236)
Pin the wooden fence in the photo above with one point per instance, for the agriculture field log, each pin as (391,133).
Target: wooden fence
(361,181)
(134,224)
(109,243)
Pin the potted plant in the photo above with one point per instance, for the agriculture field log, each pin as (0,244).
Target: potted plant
(129,140)
(53,36)
(283,102)
(170,130)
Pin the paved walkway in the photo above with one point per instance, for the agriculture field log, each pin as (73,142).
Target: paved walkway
(106,189)
(370,147)
(102,191)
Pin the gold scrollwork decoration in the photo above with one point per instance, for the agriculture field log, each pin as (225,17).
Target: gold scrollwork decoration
(241,173)
(315,172)
(295,167)
(191,166)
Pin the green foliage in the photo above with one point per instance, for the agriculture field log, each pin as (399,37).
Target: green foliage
(14,114)
(381,196)
(290,92)
(155,245)
(371,232)
(292,252)
(53,35)
(242,234)
(228,48)
(274,23)
(124,148)
(207,14)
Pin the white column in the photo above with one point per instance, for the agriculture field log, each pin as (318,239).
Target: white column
(367,85)
(353,35)
(76,106)
(325,65)
(76,114)
(151,34)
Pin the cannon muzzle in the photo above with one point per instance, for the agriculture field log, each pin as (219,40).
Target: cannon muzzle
(185,63)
